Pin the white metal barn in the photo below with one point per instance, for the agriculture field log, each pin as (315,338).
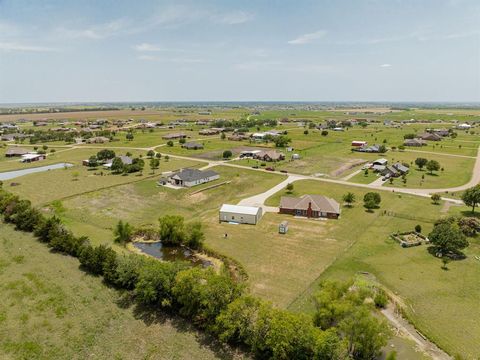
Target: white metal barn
(240,214)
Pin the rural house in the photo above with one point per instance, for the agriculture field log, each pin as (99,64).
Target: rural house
(430,137)
(269,155)
(31,157)
(311,206)
(174,136)
(240,214)
(192,146)
(414,142)
(190,177)
(15,151)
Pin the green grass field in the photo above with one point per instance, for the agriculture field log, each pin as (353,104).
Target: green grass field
(439,302)
(50,309)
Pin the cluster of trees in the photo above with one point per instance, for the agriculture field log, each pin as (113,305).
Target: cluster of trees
(119,167)
(430,165)
(448,239)
(281,140)
(102,157)
(214,301)
(243,123)
(174,231)
(42,136)
(371,200)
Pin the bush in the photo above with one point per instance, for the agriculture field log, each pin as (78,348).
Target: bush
(227,154)
(155,282)
(380,299)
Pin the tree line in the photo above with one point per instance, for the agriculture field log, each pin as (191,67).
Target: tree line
(342,327)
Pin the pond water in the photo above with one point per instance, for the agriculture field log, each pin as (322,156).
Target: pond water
(171,253)
(16,173)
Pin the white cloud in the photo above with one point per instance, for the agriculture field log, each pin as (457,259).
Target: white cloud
(99,31)
(308,38)
(178,60)
(14,46)
(179,14)
(386,65)
(234,17)
(147,47)
(462,34)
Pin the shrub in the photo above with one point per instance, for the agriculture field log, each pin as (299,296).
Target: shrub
(380,299)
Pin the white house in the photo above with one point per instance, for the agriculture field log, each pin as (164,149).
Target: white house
(464,126)
(190,177)
(240,214)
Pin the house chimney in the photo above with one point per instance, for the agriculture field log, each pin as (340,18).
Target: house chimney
(309,206)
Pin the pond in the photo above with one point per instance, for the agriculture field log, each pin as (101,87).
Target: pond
(16,173)
(171,253)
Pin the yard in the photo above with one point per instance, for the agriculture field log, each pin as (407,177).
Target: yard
(441,303)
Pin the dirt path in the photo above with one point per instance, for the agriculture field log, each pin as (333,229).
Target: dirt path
(408,330)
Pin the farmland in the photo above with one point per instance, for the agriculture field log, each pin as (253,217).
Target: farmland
(283,269)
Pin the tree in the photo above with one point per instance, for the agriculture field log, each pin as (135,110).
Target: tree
(158,155)
(435,198)
(349,199)
(182,141)
(172,229)
(154,164)
(471,197)
(433,165)
(151,153)
(167,158)
(105,154)
(170,143)
(123,232)
(365,335)
(305,132)
(289,188)
(324,133)
(75,175)
(447,239)
(92,161)
(382,149)
(421,162)
(371,200)
(418,228)
(129,136)
(117,165)
(195,236)
(227,154)
(281,141)
(223,136)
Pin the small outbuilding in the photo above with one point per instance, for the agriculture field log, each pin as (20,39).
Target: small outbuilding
(283,227)
(240,214)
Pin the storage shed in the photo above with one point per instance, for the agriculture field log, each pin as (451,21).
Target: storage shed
(283,227)
(240,214)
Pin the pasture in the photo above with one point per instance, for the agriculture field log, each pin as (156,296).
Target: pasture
(50,309)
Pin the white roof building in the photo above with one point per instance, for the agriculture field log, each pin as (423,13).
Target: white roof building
(240,214)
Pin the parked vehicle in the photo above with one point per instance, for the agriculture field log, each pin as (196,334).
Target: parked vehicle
(269,169)
(284,171)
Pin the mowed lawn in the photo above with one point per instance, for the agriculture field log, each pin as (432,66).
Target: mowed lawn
(142,203)
(442,304)
(456,170)
(44,187)
(50,309)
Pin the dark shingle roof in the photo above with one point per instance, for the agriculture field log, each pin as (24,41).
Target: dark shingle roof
(193,174)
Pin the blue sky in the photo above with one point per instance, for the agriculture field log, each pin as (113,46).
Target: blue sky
(362,50)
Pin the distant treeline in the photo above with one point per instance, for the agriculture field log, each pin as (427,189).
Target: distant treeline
(21,111)
(342,327)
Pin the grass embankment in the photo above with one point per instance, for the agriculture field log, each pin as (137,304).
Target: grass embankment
(50,309)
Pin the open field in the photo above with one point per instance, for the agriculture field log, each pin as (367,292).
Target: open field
(440,303)
(142,203)
(51,185)
(50,309)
